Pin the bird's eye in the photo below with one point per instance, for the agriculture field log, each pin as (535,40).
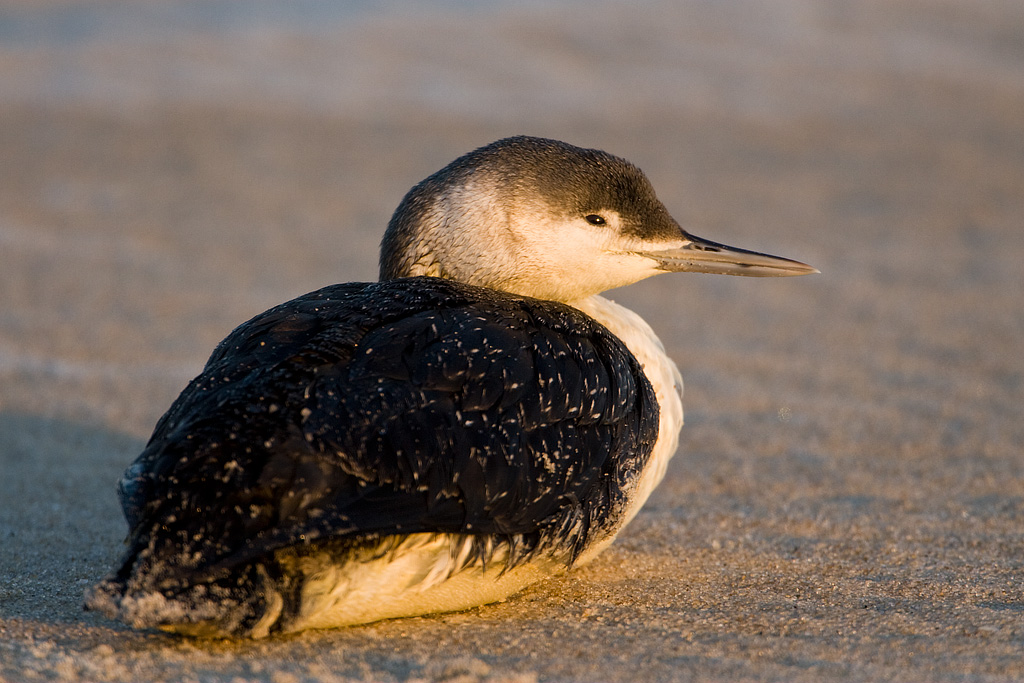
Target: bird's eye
(594,219)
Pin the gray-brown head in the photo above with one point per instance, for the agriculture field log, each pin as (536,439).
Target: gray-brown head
(543,218)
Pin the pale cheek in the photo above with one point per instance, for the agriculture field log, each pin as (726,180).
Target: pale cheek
(567,261)
(594,267)
(619,270)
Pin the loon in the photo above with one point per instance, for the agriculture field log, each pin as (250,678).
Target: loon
(477,420)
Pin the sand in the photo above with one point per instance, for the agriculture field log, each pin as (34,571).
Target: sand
(848,499)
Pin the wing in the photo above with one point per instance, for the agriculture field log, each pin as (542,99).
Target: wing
(366,410)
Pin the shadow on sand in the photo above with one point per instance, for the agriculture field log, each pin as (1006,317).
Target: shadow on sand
(60,522)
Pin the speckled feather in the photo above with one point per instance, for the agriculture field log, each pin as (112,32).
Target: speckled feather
(362,411)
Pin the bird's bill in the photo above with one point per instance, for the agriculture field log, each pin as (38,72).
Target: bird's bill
(698,255)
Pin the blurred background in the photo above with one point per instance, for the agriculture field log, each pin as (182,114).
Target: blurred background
(170,168)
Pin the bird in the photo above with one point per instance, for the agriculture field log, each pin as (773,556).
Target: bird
(477,420)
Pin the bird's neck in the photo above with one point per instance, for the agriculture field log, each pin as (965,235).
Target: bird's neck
(633,330)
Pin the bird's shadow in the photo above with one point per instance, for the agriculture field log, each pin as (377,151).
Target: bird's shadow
(60,521)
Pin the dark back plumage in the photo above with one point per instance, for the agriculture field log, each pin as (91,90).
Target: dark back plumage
(365,410)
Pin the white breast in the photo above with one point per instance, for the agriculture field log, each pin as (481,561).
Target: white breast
(664,376)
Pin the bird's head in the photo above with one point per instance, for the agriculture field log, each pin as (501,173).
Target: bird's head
(546,219)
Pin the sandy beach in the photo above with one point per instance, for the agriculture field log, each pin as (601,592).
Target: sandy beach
(847,503)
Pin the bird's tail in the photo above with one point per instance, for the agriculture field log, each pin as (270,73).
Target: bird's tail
(246,603)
